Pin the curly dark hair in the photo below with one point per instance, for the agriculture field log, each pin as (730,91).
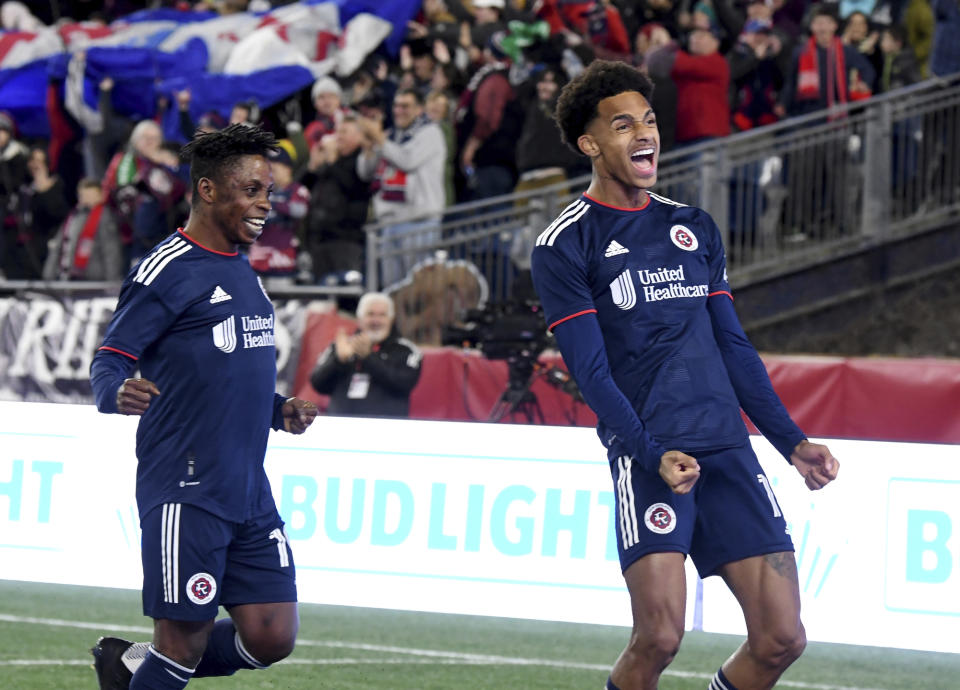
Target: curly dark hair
(211,153)
(577,105)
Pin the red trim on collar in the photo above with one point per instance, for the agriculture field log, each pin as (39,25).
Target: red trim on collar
(191,239)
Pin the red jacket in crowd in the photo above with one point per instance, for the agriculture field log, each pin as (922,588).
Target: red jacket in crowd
(703,99)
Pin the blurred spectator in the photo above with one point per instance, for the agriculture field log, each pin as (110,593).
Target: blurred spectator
(101,133)
(489,13)
(702,78)
(327,97)
(789,17)
(245,113)
(449,79)
(900,66)
(846,8)
(439,108)
(339,199)
(275,253)
(597,21)
(372,372)
(144,188)
(918,21)
(371,80)
(857,32)
(945,51)
(755,74)
(41,205)
(825,72)
(208,122)
(487,20)
(406,165)
(650,38)
(88,246)
(488,119)
(417,65)
(666,13)
(13,170)
(542,157)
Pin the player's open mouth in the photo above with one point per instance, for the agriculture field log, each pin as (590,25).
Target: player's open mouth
(255,224)
(643,161)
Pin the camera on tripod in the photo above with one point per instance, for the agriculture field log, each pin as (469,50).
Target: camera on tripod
(514,331)
(502,330)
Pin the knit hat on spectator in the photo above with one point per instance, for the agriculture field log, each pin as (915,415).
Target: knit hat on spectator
(285,153)
(496,4)
(325,84)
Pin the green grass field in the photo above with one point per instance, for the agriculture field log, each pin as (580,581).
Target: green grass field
(46,630)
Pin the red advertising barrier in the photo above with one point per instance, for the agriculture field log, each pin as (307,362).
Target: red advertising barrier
(890,399)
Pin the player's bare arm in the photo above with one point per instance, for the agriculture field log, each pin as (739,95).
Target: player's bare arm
(134,396)
(815,463)
(298,415)
(679,470)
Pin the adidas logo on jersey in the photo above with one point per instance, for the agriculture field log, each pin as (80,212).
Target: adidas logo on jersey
(615,248)
(219,295)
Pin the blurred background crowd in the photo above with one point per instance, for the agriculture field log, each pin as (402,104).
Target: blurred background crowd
(458,109)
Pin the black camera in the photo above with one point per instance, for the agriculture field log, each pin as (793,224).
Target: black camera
(514,331)
(502,330)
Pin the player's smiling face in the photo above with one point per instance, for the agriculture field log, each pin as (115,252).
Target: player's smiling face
(243,200)
(623,140)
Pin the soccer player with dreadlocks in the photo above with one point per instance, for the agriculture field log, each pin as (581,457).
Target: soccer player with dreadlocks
(194,319)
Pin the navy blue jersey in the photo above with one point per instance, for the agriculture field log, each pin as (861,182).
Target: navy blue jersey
(197,323)
(647,274)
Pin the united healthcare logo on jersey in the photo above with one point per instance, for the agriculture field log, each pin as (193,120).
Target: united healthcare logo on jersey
(657,285)
(257,332)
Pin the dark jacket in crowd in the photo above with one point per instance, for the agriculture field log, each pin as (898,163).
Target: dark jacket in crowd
(540,144)
(385,378)
(36,219)
(339,201)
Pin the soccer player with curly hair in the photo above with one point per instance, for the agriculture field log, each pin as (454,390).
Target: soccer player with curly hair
(634,287)
(195,320)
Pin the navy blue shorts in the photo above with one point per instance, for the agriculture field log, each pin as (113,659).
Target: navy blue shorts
(731,514)
(194,561)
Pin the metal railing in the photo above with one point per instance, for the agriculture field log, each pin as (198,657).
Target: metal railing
(785,196)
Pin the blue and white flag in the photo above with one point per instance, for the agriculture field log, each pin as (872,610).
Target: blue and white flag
(265,57)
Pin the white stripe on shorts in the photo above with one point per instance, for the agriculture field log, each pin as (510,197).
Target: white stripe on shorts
(281,546)
(170,552)
(629,529)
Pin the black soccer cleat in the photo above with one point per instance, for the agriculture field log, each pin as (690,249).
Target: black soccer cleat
(112,673)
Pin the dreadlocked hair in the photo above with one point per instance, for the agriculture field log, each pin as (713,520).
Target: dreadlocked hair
(211,153)
(577,104)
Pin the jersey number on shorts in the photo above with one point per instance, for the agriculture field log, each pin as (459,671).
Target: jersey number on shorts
(773,499)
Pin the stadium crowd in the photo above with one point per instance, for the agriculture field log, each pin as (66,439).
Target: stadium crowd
(462,112)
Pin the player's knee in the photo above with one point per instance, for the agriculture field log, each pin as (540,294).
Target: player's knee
(270,650)
(781,647)
(659,646)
